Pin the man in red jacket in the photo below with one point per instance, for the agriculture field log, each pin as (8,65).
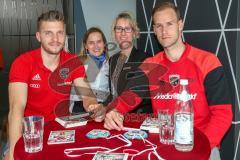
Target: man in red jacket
(179,60)
(40,80)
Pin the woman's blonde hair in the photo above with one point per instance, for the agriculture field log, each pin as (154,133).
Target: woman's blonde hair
(127,16)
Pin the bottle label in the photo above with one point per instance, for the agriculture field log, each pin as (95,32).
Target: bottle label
(183,128)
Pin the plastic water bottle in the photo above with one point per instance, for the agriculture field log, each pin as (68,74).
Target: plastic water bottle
(183,119)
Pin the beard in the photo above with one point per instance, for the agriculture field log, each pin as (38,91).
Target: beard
(52,49)
(167,43)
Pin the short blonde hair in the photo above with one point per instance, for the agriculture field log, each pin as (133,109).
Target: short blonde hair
(51,16)
(128,16)
(165,5)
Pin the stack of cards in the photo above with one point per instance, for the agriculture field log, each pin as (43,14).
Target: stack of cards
(72,121)
(110,156)
(151,125)
(62,136)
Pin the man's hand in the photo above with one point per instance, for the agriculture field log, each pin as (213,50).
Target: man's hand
(114,120)
(99,112)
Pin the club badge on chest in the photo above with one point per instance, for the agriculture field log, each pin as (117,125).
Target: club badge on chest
(174,79)
(63,73)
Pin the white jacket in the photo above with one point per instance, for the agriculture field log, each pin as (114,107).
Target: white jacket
(97,79)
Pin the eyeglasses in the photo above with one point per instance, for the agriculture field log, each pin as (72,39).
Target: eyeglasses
(119,29)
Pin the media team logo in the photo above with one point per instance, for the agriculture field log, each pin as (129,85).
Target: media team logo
(174,79)
(63,73)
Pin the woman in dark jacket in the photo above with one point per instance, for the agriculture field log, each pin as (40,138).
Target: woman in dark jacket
(123,66)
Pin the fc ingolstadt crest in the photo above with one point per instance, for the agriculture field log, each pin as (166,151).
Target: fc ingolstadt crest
(63,72)
(174,79)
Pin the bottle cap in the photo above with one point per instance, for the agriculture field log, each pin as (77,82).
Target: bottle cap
(183,82)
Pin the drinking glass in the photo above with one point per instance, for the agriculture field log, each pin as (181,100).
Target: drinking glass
(33,133)
(166,126)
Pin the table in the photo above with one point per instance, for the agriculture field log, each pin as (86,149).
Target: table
(201,150)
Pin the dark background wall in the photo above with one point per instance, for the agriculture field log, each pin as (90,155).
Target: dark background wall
(17,34)
(213,26)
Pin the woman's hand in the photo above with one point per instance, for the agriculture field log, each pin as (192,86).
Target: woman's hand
(98,110)
(114,120)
